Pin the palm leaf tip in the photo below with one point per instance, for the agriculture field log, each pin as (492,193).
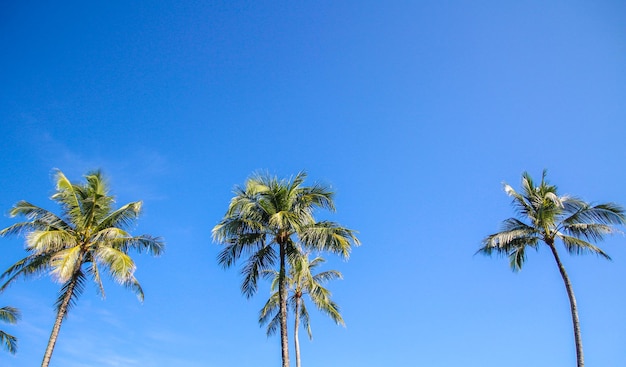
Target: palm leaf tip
(9,342)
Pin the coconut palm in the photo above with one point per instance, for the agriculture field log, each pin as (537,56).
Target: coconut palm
(545,217)
(301,282)
(85,240)
(10,315)
(266,221)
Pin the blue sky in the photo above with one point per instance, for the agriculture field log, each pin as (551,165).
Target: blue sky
(413,112)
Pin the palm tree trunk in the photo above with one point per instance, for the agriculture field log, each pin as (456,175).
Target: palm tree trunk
(57,324)
(296,341)
(282,299)
(580,359)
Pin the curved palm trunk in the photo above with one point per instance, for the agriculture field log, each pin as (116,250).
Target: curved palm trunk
(282,299)
(57,324)
(296,341)
(580,359)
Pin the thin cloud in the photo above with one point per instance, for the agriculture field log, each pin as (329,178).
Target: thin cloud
(133,176)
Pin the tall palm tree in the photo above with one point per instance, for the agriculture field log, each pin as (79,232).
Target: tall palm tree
(301,282)
(546,217)
(10,315)
(86,239)
(266,221)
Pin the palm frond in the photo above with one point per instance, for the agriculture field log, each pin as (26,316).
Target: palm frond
(121,266)
(520,203)
(122,217)
(73,288)
(9,314)
(607,213)
(50,240)
(39,219)
(9,342)
(329,236)
(517,257)
(305,319)
(133,284)
(273,325)
(29,266)
(238,228)
(512,244)
(317,196)
(326,276)
(66,262)
(514,233)
(589,231)
(261,260)
(144,243)
(68,197)
(95,274)
(576,246)
(269,310)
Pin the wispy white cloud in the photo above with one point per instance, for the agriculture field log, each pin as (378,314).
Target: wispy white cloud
(133,174)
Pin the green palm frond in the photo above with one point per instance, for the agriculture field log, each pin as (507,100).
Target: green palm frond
(8,341)
(133,284)
(38,219)
(517,257)
(269,312)
(9,315)
(94,271)
(32,265)
(305,319)
(242,229)
(121,266)
(273,325)
(74,287)
(327,276)
(68,198)
(144,243)
(123,217)
(329,236)
(316,196)
(261,260)
(66,262)
(590,231)
(577,246)
(608,213)
(49,241)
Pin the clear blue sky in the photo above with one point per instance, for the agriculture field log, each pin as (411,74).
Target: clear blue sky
(413,112)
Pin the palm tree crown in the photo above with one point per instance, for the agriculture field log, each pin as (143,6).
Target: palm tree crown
(86,239)
(544,216)
(300,282)
(268,220)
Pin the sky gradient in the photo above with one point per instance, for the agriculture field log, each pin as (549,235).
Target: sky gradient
(413,112)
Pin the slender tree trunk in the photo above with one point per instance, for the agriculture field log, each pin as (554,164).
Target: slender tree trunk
(580,359)
(282,299)
(296,341)
(57,324)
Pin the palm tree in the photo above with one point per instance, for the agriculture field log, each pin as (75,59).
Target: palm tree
(85,240)
(301,281)
(266,221)
(10,315)
(545,217)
